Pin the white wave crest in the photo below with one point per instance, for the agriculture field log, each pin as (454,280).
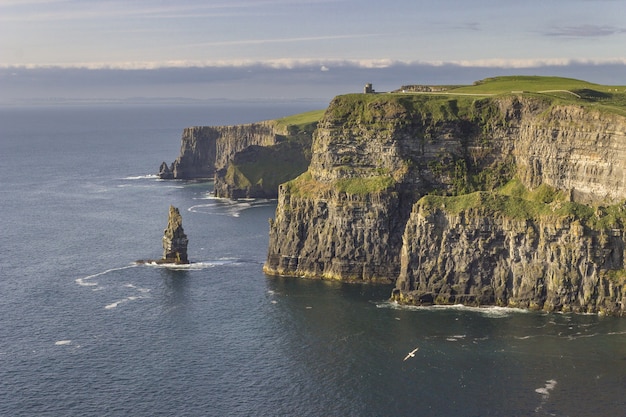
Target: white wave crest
(226,207)
(86,281)
(123,300)
(490,311)
(545,390)
(142,177)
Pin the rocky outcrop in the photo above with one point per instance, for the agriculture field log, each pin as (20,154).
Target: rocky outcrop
(356,214)
(197,155)
(174,239)
(247,160)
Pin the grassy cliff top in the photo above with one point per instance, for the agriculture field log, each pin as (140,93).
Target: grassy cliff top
(559,89)
(532,84)
(556,89)
(301,121)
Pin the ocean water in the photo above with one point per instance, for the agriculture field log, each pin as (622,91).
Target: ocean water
(86,331)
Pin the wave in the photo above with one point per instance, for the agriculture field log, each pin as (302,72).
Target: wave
(545,390)
(142,177)
(226,207)
(194,266)
(491,311)
(123,300)
(141,290)
(86,281)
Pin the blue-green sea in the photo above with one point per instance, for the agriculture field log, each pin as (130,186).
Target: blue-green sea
(84,331)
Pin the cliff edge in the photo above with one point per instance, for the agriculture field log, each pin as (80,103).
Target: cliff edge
(482,198)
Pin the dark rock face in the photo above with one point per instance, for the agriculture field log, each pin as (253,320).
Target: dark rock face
(481,257)
(174,239)
(165,172)
(197,155)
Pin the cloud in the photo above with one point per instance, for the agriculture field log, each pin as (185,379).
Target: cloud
(585,31)
(304,63)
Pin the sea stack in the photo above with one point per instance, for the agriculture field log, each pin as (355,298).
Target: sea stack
(174,239)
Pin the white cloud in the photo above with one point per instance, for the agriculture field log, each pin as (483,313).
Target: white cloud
(323,64)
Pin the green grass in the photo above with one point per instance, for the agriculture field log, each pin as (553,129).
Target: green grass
(270,167)
(378,111)
(561,90)
(557,89)
(306,186)
(534,84)
(362,186)
(515,201)
(301,121)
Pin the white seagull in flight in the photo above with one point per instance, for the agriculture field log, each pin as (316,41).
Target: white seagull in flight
(411,354)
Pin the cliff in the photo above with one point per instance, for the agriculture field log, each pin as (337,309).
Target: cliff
(248,160)
(364,210)
(488,254)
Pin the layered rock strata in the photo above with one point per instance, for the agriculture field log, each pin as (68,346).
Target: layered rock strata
(356,214)
(483,257)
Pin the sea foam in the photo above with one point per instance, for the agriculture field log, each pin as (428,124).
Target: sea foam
(227,207)
(491,311)
(86,281)
(193,266)
(118,302)
(545,390)
(142,177)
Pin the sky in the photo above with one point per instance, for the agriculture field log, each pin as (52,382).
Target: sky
(282,49)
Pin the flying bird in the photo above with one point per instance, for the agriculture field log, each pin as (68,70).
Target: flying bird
(411,354)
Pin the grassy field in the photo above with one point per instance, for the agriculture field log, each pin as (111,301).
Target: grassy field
(302,120)
(608,97)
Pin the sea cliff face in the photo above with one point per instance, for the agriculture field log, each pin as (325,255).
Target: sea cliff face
(358,213)
(483,257)
(243,159)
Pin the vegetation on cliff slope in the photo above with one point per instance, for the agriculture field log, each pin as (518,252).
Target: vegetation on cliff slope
(306,186)
(258,170)
(515,201)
